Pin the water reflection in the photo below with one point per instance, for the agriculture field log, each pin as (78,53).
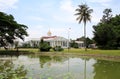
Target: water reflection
(50,59)
(106,70)
(59,67)
(9,71)
(44,59)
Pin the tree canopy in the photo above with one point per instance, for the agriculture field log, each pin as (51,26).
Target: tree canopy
(10,29)
(107,33)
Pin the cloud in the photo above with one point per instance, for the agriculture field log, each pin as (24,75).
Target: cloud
(38,31)
(65,19)
(67,11)
(59,31)
(35,31)
(7,4)
(102,2)
(66,5)
(96,16)
(35,18)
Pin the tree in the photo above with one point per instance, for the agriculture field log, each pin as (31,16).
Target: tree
(84,14)
(81,38)
(73,44)
(89,41)
(44,46)
(107,15)
(10,30)
(16,43)
(107,33)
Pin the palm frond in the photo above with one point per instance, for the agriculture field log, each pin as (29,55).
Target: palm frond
(84,13)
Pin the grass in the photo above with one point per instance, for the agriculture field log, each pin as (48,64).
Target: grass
(112,55)
(66,51)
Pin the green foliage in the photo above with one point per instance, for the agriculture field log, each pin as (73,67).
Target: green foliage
(10,30)
(44,46)
(107,34)
(73,44)
(107,15)
(89,41)
(81,38)
(84,13)
(9,71)
(25,45)
(44,59)
(58,48)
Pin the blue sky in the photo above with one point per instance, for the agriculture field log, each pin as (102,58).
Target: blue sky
(56,15)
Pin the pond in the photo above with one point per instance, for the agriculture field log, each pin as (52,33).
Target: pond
(57,67)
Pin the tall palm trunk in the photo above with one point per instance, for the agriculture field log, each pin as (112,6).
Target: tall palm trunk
(83,13)
(85,42)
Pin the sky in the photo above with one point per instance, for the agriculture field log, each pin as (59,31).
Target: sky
(56,15)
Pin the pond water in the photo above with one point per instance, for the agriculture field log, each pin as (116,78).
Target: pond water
(57,67)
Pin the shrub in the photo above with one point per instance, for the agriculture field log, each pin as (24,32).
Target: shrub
(44,46)
(58,48)
(74,45)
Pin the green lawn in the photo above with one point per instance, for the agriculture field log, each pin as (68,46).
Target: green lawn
(94,51)
(71,51)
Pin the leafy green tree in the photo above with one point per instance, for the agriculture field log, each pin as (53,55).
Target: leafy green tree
(84,14)
(73,44)
(26,45)
(16,43)
(58,48)
(10,30)
(107,33)
(107,15)
(89,41)
(81,38)
(44,46)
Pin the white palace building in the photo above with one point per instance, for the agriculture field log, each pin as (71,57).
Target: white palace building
(56,40)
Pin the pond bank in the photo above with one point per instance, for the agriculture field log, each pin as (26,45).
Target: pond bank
(98,54)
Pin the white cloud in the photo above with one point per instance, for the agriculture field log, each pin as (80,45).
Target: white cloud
(99,1)
(7,4)
(59,31)
(35,31)
(35,18)
(102,2)
(67,11)
(65,19)
(96,16)
(66,5)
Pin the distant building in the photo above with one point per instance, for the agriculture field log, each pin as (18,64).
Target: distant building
(80,44)
(56,40)
(53,41)
(93,46)
(34,42)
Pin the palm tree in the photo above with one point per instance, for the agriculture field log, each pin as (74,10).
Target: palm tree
(84,14)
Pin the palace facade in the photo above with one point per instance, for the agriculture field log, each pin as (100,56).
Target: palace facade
(56,40)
